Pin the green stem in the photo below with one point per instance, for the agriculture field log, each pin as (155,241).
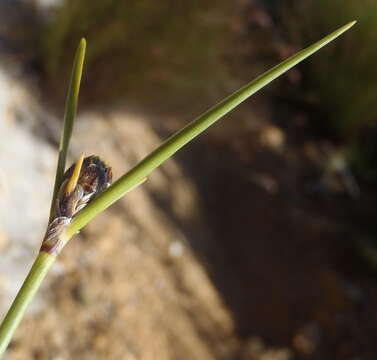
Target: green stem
(31,284)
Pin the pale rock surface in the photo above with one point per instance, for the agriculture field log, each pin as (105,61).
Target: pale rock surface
(27,166)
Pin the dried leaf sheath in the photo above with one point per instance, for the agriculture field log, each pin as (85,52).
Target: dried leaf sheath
(84,180)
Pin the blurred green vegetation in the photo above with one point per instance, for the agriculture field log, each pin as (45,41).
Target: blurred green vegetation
(178,56)
(181,56)
(167,53)
(340,84)
(342,79)
(339,90)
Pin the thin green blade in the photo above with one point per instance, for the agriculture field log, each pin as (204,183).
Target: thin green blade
(185,135)
(69,117)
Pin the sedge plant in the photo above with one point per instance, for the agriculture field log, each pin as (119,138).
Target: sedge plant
(82,191)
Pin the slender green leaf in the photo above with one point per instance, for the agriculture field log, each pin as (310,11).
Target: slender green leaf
(69,117)
(136,175)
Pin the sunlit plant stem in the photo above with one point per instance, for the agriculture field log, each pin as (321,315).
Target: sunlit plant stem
(137,174)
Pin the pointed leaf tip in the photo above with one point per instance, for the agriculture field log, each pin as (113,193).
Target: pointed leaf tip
(83,42)
(349,25)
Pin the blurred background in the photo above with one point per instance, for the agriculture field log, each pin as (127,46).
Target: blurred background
(258,241)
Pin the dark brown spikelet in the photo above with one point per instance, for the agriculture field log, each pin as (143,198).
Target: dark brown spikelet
(95,176)
(81,183)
